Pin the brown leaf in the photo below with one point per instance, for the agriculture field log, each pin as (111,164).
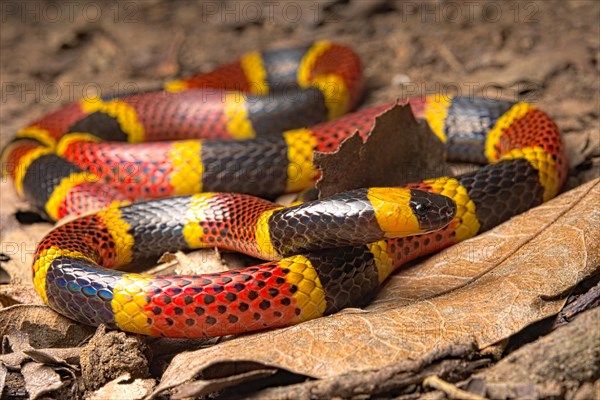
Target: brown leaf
(40,379)
(3,374)
(204,261)
(18,341)
(68,357)
(480,291)
(204,387)
(45,327)
(397,150)
(13,346)
(122,388)
(17,293)
(566,357)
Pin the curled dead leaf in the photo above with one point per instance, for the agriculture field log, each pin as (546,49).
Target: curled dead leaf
(398,149)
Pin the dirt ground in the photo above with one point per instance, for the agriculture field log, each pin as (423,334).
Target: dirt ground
(542,52)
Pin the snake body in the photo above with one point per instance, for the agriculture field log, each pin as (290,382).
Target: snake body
(328,254)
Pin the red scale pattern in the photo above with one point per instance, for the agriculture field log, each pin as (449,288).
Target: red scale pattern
(535,129)
(184,115)
(87,235)
(221,304)
(59,122)
(140,171)
(409,248)
(329,135)
(228,77)
(12,162)
(341,61)
(88,196)
(230,220)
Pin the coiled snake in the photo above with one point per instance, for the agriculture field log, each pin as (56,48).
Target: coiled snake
(327,255)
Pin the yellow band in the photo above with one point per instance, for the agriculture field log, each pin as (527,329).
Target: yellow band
(195,214)
(383,262)
(71,138)
(310,296)
(60,191)
(465,207)
(493,137)
(300,172)
(186,157)
(256,75)
(436,110)
(40,134)
(125,115)
(129,301)
(262,235)
(393,212)
(238,123)
(119,231)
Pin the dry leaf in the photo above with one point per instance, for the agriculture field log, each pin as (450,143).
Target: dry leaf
(122,388)
(45,327)
(480,291)
(3,374)
(202,388)
(13,294)
(68,357)
(204,261)
(397,150)
(18,342)
(40,379)
(567,356)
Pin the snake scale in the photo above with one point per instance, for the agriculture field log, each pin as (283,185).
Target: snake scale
(173,150)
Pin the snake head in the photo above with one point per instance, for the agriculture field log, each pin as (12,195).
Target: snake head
(433,211)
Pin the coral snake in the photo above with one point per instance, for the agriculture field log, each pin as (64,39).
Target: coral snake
(281,105)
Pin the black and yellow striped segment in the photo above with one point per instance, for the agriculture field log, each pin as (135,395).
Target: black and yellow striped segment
(355,217)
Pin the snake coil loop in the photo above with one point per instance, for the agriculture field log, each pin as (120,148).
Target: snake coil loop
(327,254)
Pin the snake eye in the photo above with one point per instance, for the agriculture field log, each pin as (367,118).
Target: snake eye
(420,209)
